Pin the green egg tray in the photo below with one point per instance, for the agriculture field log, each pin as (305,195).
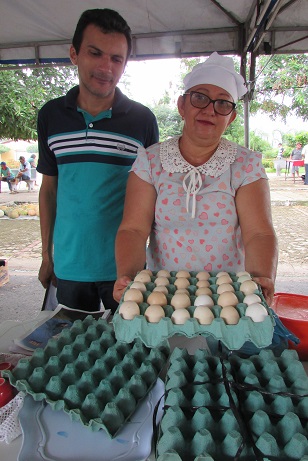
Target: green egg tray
(88,374)
(234,409)
(232,336)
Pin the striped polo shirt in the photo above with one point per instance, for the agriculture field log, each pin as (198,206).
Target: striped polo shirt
(91,157)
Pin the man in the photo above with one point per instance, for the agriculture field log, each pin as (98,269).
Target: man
(296,154)
(88,141)
(24,173)
(305,156)
(7,175)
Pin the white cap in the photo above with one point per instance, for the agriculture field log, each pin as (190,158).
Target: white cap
(217,70)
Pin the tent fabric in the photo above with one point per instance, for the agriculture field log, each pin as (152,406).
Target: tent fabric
(38,32)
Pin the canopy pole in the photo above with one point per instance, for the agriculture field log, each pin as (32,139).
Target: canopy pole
(246,100)
(246,121)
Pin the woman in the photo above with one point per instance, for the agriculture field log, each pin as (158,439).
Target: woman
(204,201)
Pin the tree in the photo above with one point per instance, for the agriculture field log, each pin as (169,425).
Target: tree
(23,93)
(281,86)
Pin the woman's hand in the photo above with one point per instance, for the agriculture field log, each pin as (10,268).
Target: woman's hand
(268,288)
(120,286)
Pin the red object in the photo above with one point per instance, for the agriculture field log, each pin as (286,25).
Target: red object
(5,366)
(298,162)
(6,392)
(292,310)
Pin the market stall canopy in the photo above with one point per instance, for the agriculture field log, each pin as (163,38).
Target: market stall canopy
(39,32)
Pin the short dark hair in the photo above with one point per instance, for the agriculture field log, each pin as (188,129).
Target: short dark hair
(107,20)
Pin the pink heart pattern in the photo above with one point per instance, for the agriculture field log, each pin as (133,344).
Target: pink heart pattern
(212,240)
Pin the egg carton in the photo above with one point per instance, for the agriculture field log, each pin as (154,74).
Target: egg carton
(234,409)
(88,374)
(232,336)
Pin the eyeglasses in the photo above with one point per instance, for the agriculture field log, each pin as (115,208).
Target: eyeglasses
(201,101)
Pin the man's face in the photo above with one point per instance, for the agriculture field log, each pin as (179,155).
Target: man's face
(22,159)
(101,61)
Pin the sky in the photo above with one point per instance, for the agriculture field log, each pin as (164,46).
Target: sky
(150,79)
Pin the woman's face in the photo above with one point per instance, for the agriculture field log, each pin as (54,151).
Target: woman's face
(205,124)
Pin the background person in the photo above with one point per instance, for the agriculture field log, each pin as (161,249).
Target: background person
(94,131)
(8,177)
(203,200)
(296,154)
(305,156)
(279,160)
(24,173)
(32,161)
(33,164)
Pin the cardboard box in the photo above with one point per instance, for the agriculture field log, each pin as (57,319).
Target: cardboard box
(4,272)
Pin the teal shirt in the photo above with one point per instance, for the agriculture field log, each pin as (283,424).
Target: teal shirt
(7,173)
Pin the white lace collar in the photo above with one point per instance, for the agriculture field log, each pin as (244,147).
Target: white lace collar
(173,162)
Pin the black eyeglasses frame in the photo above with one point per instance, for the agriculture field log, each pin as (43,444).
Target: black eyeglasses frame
(190,93)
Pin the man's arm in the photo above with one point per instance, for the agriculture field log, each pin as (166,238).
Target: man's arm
(47,203)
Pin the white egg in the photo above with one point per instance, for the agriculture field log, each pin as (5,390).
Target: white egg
(248,287)
(143,277)
(139,285)
(182,282)
(157,298)
(257,312)
(204,315)
(230,315)
(204,300)
(223,279)
(161,281)
(202,275)
(202,283)
(132,294)
(180,316)
(146,271)
(129,309)
(251,299)
(162,289)
(220,274)
(203,291)
(242,278)
(163,273)
(224,287)
(240,273)
(185,274)
(227,299)
(180,301)
(154,313)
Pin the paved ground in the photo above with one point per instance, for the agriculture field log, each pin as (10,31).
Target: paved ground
(20,243)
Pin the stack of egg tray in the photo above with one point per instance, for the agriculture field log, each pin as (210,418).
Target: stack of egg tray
(223,409)
(88,374)
(232,336)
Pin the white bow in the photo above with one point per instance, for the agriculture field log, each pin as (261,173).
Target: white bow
(194,183)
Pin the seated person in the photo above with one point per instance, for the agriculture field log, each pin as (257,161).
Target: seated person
(24,173)
(8,176)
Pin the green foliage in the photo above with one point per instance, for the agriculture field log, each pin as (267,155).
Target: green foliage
(169,121)
(33,149)
(268,163)
(3,149)
(291,139)
(282,86)
(23,93)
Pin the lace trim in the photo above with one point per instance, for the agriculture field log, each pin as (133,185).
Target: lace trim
(173,161)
